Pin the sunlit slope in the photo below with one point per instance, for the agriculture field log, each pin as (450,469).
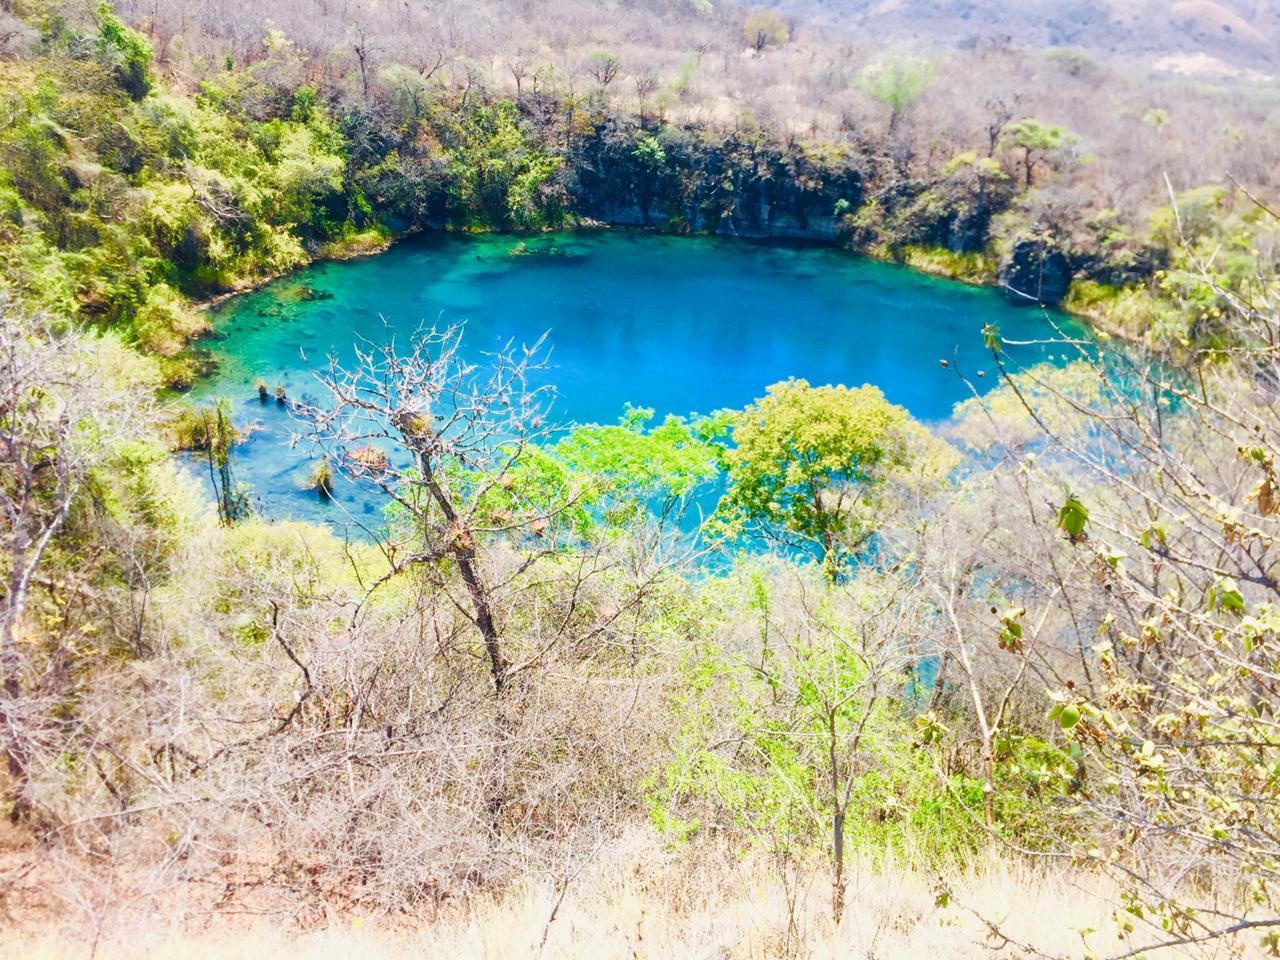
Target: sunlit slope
(1229,35)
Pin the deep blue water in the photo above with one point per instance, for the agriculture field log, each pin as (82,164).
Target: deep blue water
(679,324)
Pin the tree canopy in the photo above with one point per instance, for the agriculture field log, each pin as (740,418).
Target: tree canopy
(898,83)
(765,28)
(807,462)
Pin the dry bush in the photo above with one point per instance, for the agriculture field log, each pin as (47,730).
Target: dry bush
(693,66)
(274,744)
(635,899)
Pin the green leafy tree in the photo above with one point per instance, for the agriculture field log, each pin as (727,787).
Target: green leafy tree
(793,732)
(765,28)
(638,467)
(500,177)
(125,51)
(1037,142)
(607,478)
(898,83)
(808,463)
(649,154)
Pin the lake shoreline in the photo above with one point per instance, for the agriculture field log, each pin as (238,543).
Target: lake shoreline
(340,254)
(652,320)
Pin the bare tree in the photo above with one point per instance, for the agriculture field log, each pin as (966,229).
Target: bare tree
(1000,112)
(646,84)
(1146,504)
(439,440)
(520,68)
(362,47)
(989,701)
(59,421)
(603,66)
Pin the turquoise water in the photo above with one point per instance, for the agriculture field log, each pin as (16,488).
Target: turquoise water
(678,324)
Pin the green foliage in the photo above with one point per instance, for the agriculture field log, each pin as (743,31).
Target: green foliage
(125,51)
(602,480)
(765,28)
(321,479)
(1038,142)
(898,83)
(1073,516)
(1031,134)
(128,208)
(753,757)
(108,505)
(500,178)
(984,167)
(1209,233)
(649,154)
(209,431)
(661,464)
(807,462)
(976,268)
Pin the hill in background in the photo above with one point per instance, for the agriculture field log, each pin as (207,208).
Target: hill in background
(1194,36)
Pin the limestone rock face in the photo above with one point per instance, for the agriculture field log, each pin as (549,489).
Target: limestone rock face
(726,185)
(1035,273)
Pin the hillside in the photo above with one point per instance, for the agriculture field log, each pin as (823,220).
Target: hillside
(1203,36)
(820,671)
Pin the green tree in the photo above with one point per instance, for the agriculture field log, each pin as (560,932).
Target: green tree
(793,732)
(499,176)
(125,51)
(764,28)
(1038,143)
(808,462)
(898,83)
(604,479)
(648,153)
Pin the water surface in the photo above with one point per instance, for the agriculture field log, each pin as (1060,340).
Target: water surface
(678,324)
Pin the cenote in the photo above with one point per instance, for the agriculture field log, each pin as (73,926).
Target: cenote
(679,324)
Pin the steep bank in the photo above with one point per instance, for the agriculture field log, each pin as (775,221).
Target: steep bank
(127,197)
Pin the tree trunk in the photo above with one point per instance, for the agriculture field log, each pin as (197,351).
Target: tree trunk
(837,866)
(15,755)
(837,823)
(988,781)
(464,552)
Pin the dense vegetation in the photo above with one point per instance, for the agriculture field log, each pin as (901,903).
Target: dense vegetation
(1048,628)
(128,194)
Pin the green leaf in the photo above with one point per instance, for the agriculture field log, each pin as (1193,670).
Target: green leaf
(1072,517)
(1227,595)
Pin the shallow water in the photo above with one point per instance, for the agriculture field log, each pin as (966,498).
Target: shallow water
(678,324)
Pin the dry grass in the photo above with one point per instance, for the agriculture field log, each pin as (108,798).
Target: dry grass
(636,902)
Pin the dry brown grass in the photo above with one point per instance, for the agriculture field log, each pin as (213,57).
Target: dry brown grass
(636,901)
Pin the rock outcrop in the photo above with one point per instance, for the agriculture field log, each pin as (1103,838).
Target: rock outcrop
(731,185)
(1035,272)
